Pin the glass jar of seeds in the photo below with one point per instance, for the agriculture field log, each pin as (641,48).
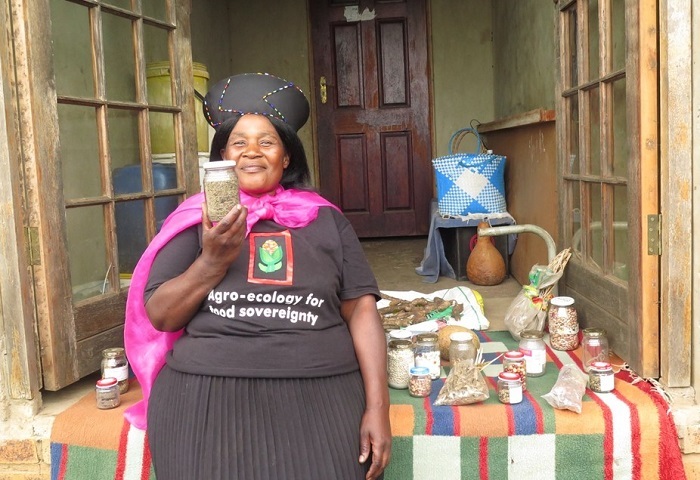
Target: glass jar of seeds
(563,323)
(399,363)
(114,364)
(601,378)
(462,348)
(427,353)
(594,347)
(533,347)
(514,362)
(107,393)
(419,384)
(220,188)
(510,388)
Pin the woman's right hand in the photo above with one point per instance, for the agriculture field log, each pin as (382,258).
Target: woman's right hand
(221,243)
(176,301)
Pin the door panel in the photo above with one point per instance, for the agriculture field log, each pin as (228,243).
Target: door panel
(373,130)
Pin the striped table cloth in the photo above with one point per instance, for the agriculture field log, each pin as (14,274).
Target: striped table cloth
(625,434)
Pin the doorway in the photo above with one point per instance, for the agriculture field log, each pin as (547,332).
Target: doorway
(370,68)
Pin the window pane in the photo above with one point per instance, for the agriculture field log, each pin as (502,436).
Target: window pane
(572,48)
(619,41)
(119,58)
(575,216)
(621,239)
(155,47)
(131,234)
(72,60)
(619,131)
(125,4)
(593,41)
(87,251)
(123,138)
(596,246)
(573,166)
(155,9)
(593,97)
(162,127)
(80,158)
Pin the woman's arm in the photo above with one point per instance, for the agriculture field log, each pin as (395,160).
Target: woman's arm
(365,327)
(175,302)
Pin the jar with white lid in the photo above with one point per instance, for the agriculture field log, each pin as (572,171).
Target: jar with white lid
(532,346)
(594,347)
(220,188)
(427,353)
(399,363)
(601,378)
(563,323)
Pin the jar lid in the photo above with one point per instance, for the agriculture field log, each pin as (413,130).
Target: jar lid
(509,376)
(531,334)
(461,337)
(219,164)
(419,371)
(106,382)
(400,334)
(113,352)
(514,355)
(594,332)
(600,366)
(400,344)
(427,337)
(562,301)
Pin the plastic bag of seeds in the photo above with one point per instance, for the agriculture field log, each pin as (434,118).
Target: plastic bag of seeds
(567,392)
(464,384)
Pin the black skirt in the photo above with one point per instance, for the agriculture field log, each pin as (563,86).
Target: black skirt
(209,428)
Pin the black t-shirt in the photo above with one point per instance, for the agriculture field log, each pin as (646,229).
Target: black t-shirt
(276,313)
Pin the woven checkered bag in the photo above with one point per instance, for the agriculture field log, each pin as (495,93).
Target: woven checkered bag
(469,183)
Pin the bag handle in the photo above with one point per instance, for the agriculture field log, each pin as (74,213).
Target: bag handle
(457,137)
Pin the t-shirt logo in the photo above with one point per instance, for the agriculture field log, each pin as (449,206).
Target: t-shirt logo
(271,258)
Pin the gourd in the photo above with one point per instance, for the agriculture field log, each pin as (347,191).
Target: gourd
(485,265)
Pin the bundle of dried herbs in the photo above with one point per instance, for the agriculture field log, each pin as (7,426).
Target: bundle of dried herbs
(402,313)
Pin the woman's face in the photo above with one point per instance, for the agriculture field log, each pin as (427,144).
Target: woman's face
(259,154)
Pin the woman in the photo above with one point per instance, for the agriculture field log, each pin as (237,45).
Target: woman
(269,373)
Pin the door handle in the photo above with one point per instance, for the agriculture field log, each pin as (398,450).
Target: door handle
(324,93)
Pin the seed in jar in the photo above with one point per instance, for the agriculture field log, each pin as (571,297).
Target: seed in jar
(419,386)
(221,197)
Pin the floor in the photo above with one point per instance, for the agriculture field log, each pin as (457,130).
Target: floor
(394,261)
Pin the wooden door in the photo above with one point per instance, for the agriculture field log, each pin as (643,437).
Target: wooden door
(608,149)
(86,117)
(372,120)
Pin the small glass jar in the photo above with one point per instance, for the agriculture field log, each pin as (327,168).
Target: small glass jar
(462,348)
(387,331)
(601,378)
(514,362)
(419,384)
(595,347)
(563,323)
(220,188)
(399,363)
(107,393)
(532,346)
(114,364)
(427,353)
(510,388)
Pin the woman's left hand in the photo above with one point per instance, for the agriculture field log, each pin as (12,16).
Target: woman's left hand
(375,440)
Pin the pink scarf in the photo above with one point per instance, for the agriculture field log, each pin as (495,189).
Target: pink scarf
(145,346)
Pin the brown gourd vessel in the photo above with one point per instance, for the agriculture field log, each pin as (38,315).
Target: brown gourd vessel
(485,265)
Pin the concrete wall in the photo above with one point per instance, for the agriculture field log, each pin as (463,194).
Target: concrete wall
(524,56)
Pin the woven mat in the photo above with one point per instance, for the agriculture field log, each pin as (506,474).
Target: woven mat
(625,434)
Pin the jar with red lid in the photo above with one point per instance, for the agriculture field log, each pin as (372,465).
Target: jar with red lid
(510,388)
(601,378)
(107,393)
(514,362)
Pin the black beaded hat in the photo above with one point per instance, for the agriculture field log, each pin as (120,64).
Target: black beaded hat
(259,93)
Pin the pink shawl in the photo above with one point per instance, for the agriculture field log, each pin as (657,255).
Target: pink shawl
(145,346)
